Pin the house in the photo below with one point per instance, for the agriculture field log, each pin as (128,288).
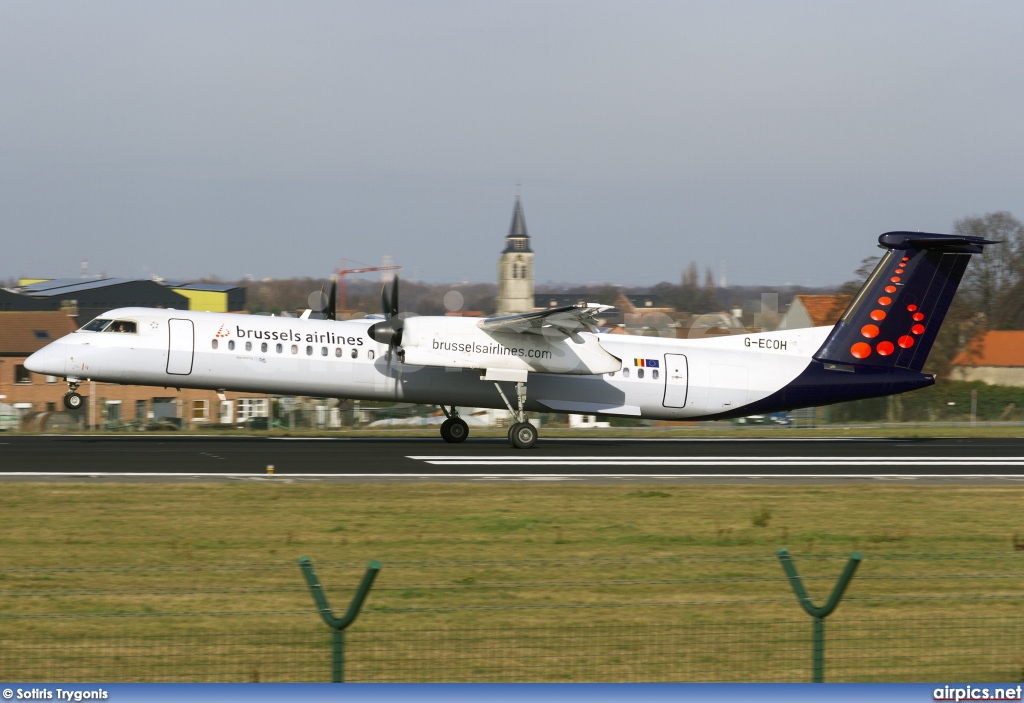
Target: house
(995,358)
(814,311)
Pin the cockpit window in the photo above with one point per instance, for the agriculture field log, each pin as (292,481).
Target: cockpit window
(96,325)
(123,326)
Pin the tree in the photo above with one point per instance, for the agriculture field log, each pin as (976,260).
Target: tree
(994,274)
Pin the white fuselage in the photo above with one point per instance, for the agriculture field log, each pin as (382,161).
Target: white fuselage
(445,359)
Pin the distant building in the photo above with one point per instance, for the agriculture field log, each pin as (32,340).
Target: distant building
(515,268)
(11,300)
(995,358)
(87,298)
(210,297)
(814,311)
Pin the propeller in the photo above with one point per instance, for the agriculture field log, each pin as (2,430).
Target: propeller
(390,330)
(331,311)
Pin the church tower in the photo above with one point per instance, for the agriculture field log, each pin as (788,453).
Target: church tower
(515,268)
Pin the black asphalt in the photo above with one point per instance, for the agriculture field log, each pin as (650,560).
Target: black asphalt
(163,456)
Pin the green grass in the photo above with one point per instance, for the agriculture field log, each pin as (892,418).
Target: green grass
(493,558)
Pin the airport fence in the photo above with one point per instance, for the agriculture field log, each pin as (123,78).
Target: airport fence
(903,618)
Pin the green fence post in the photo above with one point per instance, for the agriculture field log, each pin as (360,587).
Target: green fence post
(819,614)
(336,624)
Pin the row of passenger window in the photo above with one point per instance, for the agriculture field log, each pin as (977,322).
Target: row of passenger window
(639,373)
(279,348)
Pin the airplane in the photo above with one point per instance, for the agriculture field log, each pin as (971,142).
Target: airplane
(878,348)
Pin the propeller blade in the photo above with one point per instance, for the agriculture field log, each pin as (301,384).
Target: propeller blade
(394,297)
(332,301)
(385,304)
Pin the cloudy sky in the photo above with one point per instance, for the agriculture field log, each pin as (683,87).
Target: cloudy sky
(778,139)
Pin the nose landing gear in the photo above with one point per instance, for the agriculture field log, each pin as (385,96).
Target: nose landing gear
(72,400)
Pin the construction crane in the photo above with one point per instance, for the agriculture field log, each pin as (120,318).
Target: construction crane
(342,272)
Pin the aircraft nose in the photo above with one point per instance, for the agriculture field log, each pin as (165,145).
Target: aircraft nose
(49,360)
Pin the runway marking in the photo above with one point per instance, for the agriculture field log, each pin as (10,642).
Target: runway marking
(492,475)
(716,461)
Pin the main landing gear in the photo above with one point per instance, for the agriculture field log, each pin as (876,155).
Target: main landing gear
(454,429)
(521,435)
(72,400)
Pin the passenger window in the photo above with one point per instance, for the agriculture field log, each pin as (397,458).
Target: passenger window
(654,373)
(280,348)
(263,347)
(248,346)
(337,352)
(639,373)
(355,353)
(214,344)
(369,355)
(231,344)
(295,349)
(323,351)
(625,373)
(309,350)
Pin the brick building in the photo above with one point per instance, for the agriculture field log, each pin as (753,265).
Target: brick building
(34,402)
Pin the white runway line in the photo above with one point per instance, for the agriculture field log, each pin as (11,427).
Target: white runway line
(491,475)
(717,461)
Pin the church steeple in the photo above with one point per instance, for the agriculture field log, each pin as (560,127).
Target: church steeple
(517,240)
(515,267)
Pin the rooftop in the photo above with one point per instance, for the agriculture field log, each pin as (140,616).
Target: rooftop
(997,348)
(22,333)
(824,310)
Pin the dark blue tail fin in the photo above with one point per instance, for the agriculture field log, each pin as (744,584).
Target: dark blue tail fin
(894,319)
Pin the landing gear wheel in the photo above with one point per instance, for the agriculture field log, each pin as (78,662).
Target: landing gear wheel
(72,401)
(523,435)
(458,430)
(511,429)
(454,430)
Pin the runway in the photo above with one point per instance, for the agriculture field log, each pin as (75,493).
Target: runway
(698,460)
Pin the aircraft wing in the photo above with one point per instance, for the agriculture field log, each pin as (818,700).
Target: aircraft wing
(568,320)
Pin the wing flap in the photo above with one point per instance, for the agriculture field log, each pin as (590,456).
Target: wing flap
(568,320)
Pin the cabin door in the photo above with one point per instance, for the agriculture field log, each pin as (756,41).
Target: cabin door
(180,347)
(676,380)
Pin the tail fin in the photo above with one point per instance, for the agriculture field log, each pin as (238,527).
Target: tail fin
(894,319)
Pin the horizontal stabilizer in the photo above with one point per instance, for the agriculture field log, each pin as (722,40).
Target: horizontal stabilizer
(894,319)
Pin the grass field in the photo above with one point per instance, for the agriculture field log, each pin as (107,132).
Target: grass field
(209,560)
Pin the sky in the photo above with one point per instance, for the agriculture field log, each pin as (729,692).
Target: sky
(771,141)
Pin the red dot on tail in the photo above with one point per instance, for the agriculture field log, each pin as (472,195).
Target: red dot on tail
(899,270)
(895,279)
(878,315)
(869,331)
(911,308)
(918,316)
(906,341)
(890,289)
(917,329)
(861,350)
(884,300)
(885,348)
